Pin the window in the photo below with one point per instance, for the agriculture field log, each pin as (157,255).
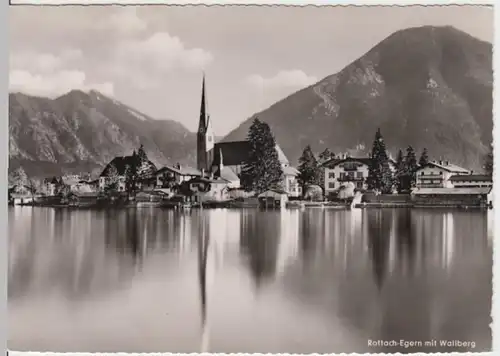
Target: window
(331,185)
(359,174)
(331,175)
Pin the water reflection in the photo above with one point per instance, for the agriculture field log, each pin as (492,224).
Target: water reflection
(259,240)
(326,280)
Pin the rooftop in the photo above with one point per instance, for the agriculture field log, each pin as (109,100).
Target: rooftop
(236,153)
(450,167)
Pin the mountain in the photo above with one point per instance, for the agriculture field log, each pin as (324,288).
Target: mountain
(82,132)
(426,87)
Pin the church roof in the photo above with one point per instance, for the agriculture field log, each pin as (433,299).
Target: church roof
(236,153)
(228,174)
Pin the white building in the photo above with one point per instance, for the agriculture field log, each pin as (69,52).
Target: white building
(437,174)
(339,171)
(291,184)
(471,181)
(104,181)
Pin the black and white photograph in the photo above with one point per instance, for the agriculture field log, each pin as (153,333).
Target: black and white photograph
(250,178)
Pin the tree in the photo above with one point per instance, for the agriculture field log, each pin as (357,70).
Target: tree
(424,158)
(324,156)
(379,174)
(399,174)
(488,162)
(308,169)
(141,154)
(262,170)
(131,178)
(19,178)
(410,169)
(32,186)
(112,180)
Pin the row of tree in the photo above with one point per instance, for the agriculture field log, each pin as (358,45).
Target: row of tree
(380,174)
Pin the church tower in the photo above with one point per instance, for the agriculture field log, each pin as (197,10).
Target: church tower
(205,137)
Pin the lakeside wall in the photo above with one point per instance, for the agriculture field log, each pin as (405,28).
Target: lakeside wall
(386,198)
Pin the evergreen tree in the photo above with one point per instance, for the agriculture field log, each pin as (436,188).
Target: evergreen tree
(131,177)
(141,154)
(424,158)
(379,174)
(488,162)
(308,169)
(263,169)
(410,169)
(399,174)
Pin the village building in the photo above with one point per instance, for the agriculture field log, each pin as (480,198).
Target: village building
(49,186)
(273,198)
(226,159)
(168,176)
(437,174)
(208,189)
(344,170)
(451,196)
(339,171)
(471,181)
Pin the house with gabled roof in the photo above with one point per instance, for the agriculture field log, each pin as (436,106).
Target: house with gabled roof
(437,174)
(342,170)
(172,175)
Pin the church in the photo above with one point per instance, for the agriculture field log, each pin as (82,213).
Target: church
(226,159)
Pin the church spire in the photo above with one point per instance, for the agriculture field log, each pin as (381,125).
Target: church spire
(203,110)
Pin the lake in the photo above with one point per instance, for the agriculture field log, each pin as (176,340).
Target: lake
(317,280)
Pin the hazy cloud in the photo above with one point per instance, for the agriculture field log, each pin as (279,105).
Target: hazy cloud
(54,84)
(283,79)
(163,52)
(43,62)
(125,21)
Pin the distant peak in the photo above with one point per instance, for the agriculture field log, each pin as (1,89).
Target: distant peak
(431,30)
(75,93)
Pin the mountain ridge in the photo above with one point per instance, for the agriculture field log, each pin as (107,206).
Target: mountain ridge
(423,86)
(78,131)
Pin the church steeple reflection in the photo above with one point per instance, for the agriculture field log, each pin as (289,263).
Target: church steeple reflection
(259,241)
(203,242)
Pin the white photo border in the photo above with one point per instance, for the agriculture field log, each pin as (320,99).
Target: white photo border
(4,44)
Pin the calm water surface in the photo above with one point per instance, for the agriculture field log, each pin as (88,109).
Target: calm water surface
(317,280)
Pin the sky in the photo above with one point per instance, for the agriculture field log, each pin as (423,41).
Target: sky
(152,58)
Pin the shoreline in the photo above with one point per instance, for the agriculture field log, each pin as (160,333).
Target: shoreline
(232,205)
